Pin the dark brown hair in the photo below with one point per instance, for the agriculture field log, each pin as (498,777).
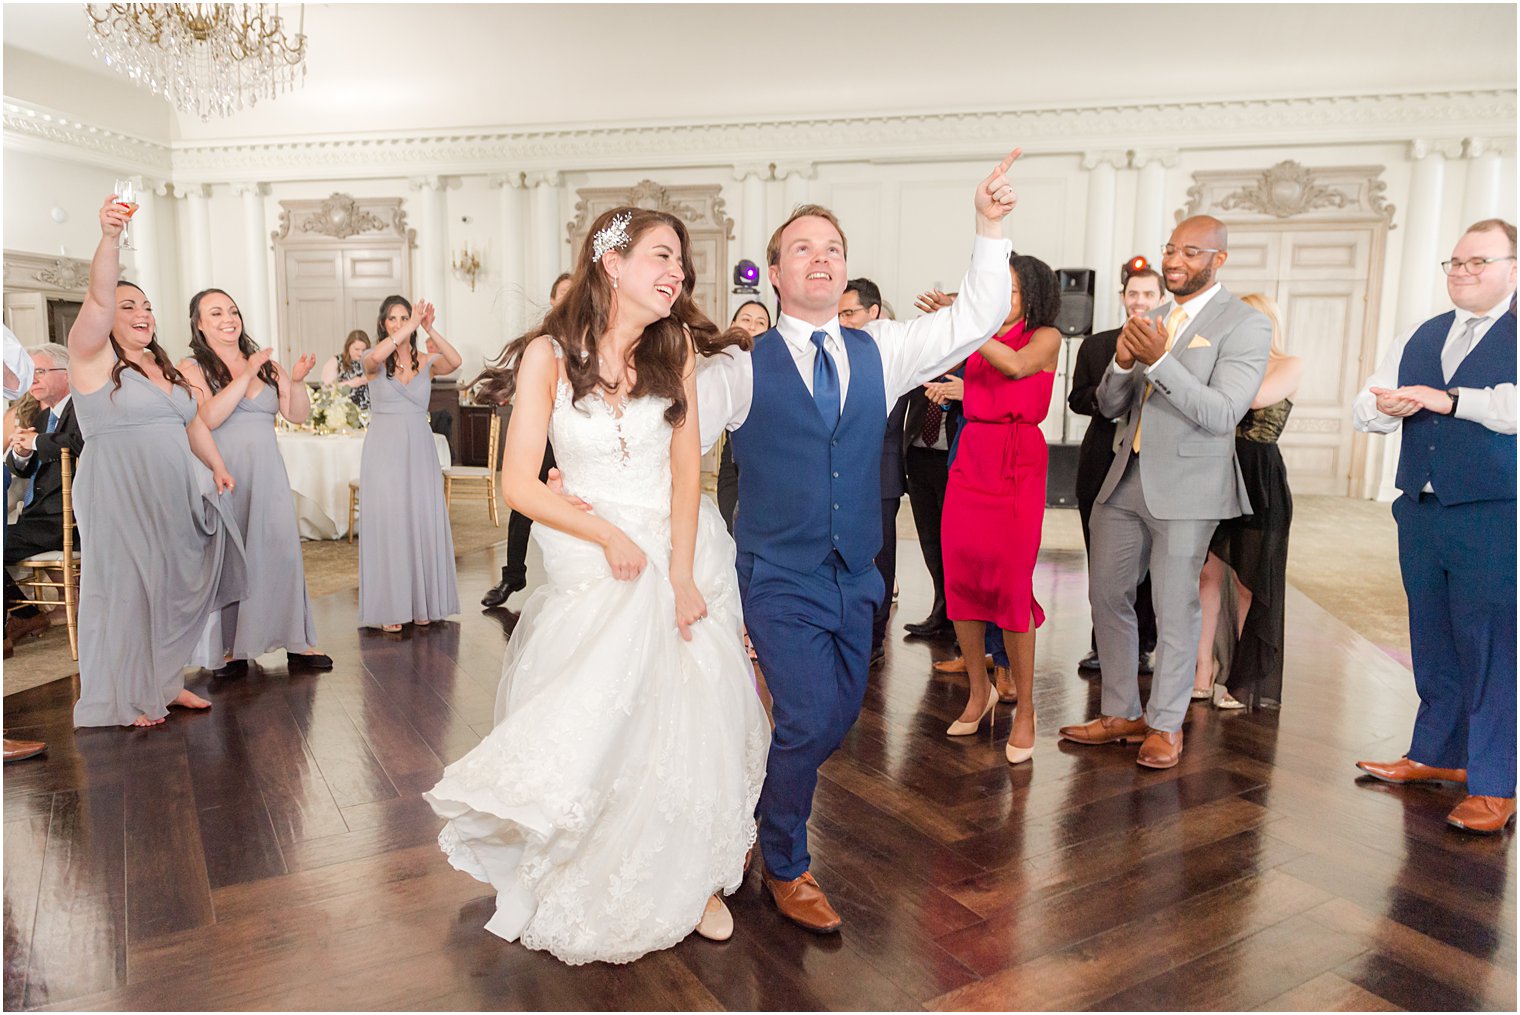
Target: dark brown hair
(166,365)
(380,336)
(773,248)
(659,355)
(357,335)
(217,374)
(1038,289)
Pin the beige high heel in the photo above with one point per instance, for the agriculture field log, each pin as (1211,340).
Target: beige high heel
(717,923)
(965,729)
(1018,755)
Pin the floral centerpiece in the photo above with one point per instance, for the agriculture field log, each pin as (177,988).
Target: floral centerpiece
(332,411)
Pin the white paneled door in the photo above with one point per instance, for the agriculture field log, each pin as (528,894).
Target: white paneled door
(1321,280)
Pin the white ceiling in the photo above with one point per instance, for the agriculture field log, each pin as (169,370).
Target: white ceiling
(399,67)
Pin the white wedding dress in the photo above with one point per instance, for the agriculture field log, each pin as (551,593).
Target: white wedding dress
(617,791)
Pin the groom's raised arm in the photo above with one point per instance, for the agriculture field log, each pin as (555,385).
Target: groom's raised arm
(916,351)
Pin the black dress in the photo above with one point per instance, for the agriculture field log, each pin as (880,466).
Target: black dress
(1255,546)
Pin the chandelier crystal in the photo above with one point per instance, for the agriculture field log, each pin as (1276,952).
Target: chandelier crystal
(204,58)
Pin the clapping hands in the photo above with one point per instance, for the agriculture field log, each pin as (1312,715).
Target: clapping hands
(933,300)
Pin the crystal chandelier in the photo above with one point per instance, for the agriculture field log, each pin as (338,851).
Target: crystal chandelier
(203,58)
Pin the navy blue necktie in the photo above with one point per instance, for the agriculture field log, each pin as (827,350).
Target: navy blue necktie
(825,382)
(52,424)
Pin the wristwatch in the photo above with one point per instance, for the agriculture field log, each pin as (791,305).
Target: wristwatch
(1452,393)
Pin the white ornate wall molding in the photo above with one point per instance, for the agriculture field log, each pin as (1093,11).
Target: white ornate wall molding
(44,131)
(1116,158)
(62,277)
(1290,190)
(340,217)
(1422,147)
(953,135)
(1163,157)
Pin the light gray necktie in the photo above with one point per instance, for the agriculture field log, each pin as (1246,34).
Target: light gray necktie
(1457,349)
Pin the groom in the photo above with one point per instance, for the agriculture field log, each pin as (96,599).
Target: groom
(807,408)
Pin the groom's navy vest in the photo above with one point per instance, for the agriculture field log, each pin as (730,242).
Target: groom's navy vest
(805,492)
(1463,461)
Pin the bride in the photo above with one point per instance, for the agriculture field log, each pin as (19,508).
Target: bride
(615,798)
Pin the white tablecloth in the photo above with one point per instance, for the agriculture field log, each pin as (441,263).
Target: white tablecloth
(320,469)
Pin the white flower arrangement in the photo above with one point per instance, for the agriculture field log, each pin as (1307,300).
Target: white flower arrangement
(332,411)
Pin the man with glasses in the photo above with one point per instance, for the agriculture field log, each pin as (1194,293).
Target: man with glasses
(34,453)
(1449,385)
(860,303)
(1181,379)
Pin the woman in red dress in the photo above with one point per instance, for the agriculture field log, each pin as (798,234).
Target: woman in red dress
(995,500)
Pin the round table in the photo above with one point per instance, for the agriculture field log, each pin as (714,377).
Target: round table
(320,467)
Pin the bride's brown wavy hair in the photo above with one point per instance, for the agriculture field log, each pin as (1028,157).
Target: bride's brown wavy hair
(659,355)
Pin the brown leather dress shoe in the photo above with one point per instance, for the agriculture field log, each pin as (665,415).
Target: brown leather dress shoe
(1002,679)
(803,902)
(1106,729)
(1404,771)
(22,627)
(1484,815)
(1160,750)
(20,750)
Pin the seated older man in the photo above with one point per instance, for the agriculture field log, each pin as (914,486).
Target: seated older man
(34,454)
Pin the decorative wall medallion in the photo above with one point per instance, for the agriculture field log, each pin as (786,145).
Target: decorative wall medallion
(65,274)
(650,195)
(1285,190)
(340,218)
(1290,190)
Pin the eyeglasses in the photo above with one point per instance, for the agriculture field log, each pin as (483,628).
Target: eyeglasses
(49,370)
(1473,265)
(1189,252)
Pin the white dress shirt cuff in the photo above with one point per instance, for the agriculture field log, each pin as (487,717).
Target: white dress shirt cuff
(987,252)
(1159,360)
(1122,370)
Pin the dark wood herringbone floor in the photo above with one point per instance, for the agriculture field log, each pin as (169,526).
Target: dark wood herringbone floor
(275,853)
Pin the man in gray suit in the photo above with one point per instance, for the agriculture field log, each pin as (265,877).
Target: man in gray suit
(1182,378)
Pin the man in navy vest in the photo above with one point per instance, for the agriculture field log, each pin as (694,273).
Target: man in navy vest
(807,408)
(1449,385)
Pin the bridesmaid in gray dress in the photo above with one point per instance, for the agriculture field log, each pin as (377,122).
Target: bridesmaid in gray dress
(160,547)
(239,389)
(406,548)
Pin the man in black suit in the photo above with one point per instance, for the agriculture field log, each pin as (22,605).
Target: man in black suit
(860,303)
(1141,293)
(34,454)
(929,428)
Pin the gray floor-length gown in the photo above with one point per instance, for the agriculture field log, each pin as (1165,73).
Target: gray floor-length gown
(275,611)
(160,550)
(406,548)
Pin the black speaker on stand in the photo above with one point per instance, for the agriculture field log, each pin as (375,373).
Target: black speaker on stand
(1074,322)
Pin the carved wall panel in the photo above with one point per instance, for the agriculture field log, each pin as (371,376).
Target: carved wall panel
(700,207)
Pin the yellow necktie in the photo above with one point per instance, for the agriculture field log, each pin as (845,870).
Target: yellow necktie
(1173,325)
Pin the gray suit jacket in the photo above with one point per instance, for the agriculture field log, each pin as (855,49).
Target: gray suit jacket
(1202,389)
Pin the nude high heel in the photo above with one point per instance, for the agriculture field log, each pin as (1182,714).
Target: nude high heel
(1018,755)
(717,923)
(965,729)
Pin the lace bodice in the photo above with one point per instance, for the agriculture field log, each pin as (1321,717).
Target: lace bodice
(609,455)
(1265,426)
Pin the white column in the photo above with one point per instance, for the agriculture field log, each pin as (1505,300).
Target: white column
(1151,227)
(255,302)
(1480,196)
(198,273)
(795,177)
(754,230)
(548,232)
(1098,249)
(1419,273)
(147,268)
(513,229)
(432,241)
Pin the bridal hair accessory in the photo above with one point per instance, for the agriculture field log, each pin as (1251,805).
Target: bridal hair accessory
(611,236)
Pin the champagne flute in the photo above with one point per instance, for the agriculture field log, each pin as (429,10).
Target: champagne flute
(126,196)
